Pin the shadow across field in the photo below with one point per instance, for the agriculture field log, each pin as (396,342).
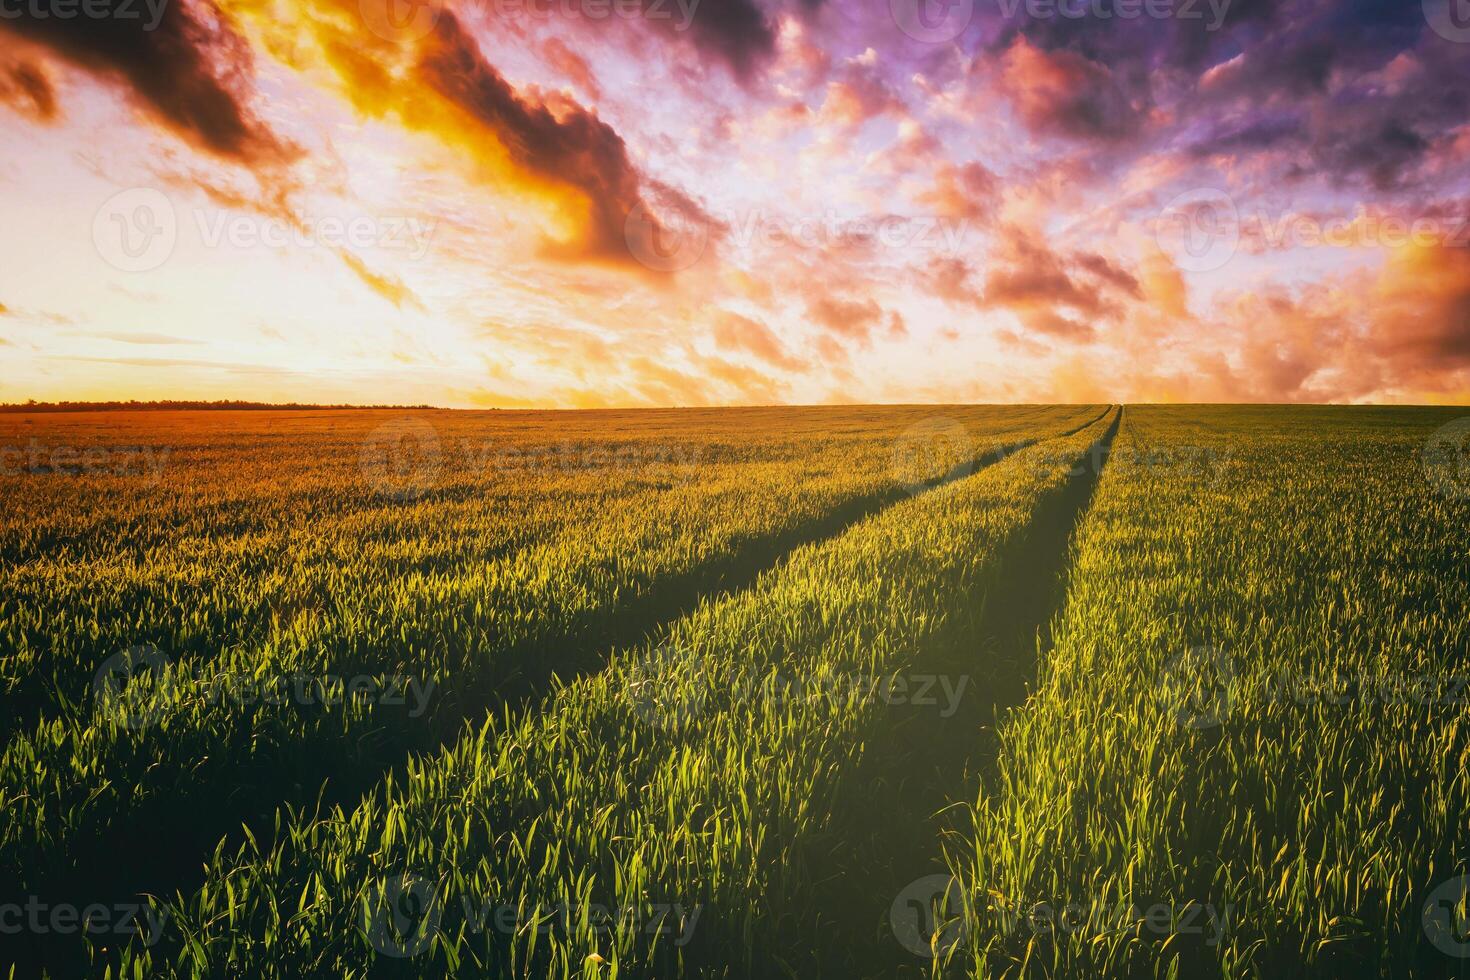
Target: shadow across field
(162,844)
(881,857)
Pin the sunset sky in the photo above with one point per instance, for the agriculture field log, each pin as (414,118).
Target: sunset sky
(582,203)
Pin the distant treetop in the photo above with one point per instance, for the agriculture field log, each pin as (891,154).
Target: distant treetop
(166,406)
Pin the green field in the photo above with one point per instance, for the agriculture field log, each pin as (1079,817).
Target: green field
(962,691)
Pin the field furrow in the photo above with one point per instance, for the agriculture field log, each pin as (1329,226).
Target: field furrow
(880,861)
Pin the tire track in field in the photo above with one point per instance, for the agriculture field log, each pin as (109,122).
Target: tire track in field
(168,845)
(881,866)
(648,615)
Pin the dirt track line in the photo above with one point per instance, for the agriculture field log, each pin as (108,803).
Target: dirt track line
(904,800)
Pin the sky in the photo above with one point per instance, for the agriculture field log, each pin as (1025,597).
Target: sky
(610,203)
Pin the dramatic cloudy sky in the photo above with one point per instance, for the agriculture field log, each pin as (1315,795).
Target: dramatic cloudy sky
(650,202)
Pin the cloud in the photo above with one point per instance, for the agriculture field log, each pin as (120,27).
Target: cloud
(552,141)
(572,65)
(170,362)
(951,279)
(1421,320)
(26,88)
(859,94)
(748,385)
(191,73)
(1398,332)
(736,34)
(852,319)
(734,332)
(1101,268)
(389,287)
(1360,94)
(734,30)
(1063,295)
(1062,93)
(144,338)
(1026,274)
(968,192)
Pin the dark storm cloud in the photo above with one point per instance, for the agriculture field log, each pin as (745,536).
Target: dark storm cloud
(735,30)
(568,146)
(190,71)
(736,33)
(1358,92)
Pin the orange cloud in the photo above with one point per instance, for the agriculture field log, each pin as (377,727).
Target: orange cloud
(853,319)
(572,65)
(26,88)
(541,146)
(967,192)
(1062,93)
(388,287)
(737,333)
